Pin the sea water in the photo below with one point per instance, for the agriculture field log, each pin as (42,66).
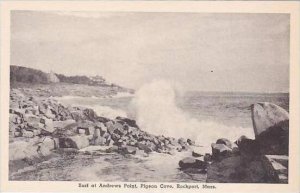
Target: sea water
(218,114)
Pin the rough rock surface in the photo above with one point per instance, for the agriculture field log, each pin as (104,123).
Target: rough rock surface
(271,127)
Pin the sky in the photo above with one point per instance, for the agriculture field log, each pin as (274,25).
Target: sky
(195,51)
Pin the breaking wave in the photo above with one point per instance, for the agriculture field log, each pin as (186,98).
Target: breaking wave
(156,112)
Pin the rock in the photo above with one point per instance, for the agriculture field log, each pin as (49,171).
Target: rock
(46,145)
(248,148)
(234,170)
(220,151)
(225,142)
(182,141)
(195,154)
(190,142)
(275,140)
(129,122)
(17,111)
(48,125)
(31,118)
(81,131)
(271,127)
(17,134)
(266,115)
(77,142)
(13,118)
(35,126)
(190,162)
(99,141)
(21,149)
(49,114)
(144,147)
(276,167)
(63,124)
(207,157)
(28,134)
(128,149)
(112,149)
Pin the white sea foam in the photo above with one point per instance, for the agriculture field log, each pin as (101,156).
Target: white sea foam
(156,112)
(104,111)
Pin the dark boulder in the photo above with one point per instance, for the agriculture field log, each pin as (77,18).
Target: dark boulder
(220,151)
(190,162)
(225,142)
(129,122)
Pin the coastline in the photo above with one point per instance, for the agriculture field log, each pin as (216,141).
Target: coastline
(44,133)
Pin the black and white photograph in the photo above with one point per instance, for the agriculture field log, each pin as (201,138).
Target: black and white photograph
(168,97)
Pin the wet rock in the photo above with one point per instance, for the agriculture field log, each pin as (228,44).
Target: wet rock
(77,142)
(225,142)
(248,148)
(220,151)
(190,162)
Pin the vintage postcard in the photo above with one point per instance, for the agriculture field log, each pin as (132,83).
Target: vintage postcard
(150,96)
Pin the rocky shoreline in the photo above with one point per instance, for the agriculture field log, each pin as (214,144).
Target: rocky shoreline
(41,128)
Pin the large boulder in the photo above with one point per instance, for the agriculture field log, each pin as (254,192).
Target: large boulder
(190,162)
(266,115)
(271,127)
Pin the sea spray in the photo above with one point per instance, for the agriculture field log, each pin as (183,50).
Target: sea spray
(156,112)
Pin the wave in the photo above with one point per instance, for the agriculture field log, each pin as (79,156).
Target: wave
(156,112)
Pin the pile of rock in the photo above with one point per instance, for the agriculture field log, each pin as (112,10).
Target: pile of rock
(40,123)
(253,160)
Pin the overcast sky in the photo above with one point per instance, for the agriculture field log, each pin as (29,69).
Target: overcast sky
(208,52)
